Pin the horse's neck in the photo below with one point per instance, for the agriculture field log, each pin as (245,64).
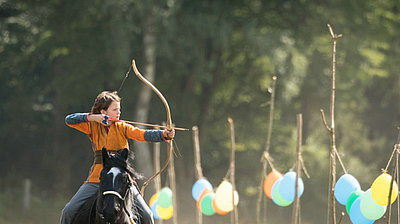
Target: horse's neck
(129,205)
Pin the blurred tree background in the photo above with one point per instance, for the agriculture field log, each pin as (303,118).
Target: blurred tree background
(212,59)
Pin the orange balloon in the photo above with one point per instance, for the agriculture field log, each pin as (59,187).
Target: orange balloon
(218,210)
(269,181)
(204,193)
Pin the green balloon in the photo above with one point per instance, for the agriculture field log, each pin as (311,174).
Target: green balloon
(206,204)
(276,197)
(369,208)
(165,198)
(353,196)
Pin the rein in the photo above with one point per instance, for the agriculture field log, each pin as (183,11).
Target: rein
(119,196)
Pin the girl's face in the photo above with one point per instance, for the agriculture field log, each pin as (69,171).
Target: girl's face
(114,110)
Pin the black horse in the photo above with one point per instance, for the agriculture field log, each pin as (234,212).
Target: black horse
(114,203)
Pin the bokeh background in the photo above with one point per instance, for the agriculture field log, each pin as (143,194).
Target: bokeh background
(212,60)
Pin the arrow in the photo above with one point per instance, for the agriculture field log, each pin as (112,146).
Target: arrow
(144,124)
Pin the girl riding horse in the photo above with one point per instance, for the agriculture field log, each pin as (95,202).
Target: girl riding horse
(111,134)
(114,201)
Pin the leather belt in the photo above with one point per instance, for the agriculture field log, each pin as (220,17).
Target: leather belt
(98,156)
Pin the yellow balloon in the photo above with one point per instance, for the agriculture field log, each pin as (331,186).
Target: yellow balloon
(380,190)
(153,199)
(223,197)
(165,213)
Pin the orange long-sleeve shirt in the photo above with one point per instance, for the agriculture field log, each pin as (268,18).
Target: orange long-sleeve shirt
(114,139)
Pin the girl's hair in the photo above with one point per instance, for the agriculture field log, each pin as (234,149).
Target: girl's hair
(104,100)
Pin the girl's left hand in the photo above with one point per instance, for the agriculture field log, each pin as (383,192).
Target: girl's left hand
(169,134)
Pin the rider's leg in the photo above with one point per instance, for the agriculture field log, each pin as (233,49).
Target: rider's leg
(71,208)
(145,214)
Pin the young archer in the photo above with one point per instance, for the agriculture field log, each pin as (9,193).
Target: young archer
(104,129)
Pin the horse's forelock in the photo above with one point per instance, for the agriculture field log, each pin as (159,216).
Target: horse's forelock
(120,160)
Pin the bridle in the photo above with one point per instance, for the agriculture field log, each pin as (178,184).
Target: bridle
(122,199)
(116,194)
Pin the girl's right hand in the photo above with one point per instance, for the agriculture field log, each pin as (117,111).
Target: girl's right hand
(99,118)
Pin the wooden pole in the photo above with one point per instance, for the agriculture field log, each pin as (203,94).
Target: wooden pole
(263,159)
(234,215)
(156,164)
(296,205)
(398,176)
(172,181)
(197,158)
(331,129)
(398,181)
(27,195)
(197,166)
(271,116)
(391,186)
(395,171)
(341,217)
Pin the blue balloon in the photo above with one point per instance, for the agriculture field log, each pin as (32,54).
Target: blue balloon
(287,188)
(276,197)
(346,185)
(355,214)
(199,186)
(154,210)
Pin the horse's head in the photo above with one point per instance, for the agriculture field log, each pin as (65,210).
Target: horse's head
(115,199)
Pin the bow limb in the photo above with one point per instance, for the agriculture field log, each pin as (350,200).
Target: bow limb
(169,122)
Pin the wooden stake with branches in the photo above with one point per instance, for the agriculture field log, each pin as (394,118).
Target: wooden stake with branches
(331,130)
(398,175)
(266,153)
(296,206)
(172,179)
(396,151)
(156,163)
(197,165)
(235,215)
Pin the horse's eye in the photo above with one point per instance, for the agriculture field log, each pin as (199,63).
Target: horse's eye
(124,178)
(118,207)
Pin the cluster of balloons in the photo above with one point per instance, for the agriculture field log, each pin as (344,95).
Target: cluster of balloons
(161,204)
(282,188)
(365,207)
(209,202)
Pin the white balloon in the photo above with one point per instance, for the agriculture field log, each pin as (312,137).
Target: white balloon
(223,197)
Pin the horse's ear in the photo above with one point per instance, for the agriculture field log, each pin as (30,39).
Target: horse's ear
(105,154)
(124,153)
